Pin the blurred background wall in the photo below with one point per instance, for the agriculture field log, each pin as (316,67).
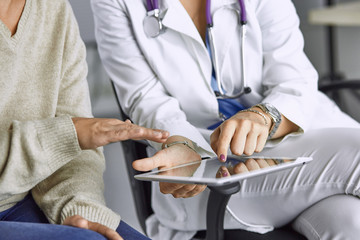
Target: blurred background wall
(117,190)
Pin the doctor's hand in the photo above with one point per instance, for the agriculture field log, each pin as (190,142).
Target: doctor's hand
(169,157)
(97,132)
(80,222)
(244,133)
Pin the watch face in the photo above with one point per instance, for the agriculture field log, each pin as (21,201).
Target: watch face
(273,111)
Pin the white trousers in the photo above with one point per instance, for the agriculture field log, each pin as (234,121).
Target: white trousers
(318,197)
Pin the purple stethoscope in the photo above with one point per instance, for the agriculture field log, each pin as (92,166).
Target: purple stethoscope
(153,27)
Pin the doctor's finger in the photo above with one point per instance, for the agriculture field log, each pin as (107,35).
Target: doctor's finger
(240,168)
(222,172)
(214,137)
(251,143)
(251,164)
(261,141)
(262,163)
(238,141)
(227,130)
(271,162)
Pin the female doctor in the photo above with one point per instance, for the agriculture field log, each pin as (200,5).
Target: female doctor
(232,75)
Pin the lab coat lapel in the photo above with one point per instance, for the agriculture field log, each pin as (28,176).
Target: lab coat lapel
(177,19)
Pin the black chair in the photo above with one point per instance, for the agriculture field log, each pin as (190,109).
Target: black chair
(218,199)
(346,94)
(141,190)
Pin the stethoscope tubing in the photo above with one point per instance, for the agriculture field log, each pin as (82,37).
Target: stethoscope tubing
(243,17)
(243,22)
(152,5)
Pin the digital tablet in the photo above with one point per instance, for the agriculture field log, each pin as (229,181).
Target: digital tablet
(212,172)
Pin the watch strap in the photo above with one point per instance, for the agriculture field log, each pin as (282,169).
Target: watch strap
(274,115)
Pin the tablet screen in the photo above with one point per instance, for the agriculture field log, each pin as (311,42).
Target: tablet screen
(213,172)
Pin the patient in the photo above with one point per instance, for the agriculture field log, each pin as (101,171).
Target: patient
(46,173)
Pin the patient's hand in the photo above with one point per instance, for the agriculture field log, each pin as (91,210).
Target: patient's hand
(170,157)
(80,222)
(97,132)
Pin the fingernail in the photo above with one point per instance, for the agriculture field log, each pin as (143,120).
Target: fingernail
(222,157)
(224,174)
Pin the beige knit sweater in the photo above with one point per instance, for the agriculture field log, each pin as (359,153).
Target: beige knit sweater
(42,85)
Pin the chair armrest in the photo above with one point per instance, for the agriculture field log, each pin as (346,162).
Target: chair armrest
(216,206)
(337,85)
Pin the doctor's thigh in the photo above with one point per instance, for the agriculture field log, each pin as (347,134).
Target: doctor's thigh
(334,218)
(321,196)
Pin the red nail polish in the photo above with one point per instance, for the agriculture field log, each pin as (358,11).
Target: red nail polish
(224,174)
(222,157)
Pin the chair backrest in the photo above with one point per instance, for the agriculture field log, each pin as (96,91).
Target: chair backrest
(141,190)
(346,94)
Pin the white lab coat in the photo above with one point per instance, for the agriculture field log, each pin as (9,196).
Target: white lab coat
(164,82)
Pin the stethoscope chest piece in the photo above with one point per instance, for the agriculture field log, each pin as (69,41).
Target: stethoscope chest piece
(152,23)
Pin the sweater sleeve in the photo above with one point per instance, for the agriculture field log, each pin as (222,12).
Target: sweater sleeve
(36,149)
(77,187)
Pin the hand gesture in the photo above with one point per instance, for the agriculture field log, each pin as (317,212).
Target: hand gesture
(170,157)
(80,222)
(97,132)
(244,133)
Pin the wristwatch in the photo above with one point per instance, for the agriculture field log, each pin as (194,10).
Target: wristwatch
(275,116)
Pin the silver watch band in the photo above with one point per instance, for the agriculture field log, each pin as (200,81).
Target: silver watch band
(274,114)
